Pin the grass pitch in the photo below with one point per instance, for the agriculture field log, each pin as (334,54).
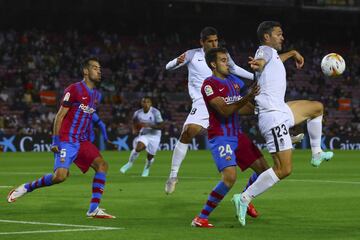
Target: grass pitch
(313,203)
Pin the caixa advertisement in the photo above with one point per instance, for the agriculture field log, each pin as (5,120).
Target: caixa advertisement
(42,143)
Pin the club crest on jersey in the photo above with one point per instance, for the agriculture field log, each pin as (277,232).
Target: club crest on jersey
(86,109)
(208,90)
(66,97)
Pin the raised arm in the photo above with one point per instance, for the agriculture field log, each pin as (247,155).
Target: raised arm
(239,71)
(299,60)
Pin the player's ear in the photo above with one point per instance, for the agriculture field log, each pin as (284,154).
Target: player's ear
(201,42)
(213,65)
(85,71)
(266,37)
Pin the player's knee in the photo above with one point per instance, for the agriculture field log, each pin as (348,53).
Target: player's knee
(319,108)
(59,178)
(103,166)
(285,172)
(229,180)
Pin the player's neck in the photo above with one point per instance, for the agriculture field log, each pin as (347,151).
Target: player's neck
(219,75)
(90,84)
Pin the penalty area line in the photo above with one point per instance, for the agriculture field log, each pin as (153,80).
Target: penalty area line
(77,229)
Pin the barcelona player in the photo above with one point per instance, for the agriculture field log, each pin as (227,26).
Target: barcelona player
(71,140)
(224,95)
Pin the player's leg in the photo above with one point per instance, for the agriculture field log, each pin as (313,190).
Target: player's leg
(134,154)
(197,121)
(223,151)
(151,148)
(179,153)
(279,145)
(312,111)
(148,162)
(62,163)
(89,156)
(248,155)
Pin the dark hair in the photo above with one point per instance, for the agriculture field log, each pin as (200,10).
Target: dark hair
(86,62)
(266,27)
(211,55)
(207,31)
(147,97)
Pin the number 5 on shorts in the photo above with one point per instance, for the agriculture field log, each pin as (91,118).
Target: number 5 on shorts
(63,152)
(225,150)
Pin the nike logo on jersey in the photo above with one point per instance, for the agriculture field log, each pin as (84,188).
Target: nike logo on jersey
(200,60)
(221,89)
(83,98)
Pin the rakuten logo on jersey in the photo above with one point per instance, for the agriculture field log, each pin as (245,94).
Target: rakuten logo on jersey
(232,99)
(86,109)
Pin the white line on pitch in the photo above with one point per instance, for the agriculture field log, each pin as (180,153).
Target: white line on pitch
(57,231)
(6,186)
(57,224)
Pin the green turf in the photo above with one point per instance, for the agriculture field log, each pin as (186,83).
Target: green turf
(313,203)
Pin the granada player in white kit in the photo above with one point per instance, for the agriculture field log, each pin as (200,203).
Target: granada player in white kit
(198,119)
(150,121)
(276,116)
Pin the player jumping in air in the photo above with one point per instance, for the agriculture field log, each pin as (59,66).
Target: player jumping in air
(71,140)
(276,116)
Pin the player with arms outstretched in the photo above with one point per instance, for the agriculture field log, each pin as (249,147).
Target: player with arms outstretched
(224,96)
(276,116)
(198,118)
(71,140)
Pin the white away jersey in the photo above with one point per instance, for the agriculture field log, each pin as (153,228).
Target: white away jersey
(198,70)
(153,116)
(272,82)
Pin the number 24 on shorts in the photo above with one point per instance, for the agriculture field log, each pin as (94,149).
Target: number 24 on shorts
(223,150)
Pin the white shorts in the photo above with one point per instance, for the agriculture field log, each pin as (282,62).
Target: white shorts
(150,141)
(274,127)
(199,114)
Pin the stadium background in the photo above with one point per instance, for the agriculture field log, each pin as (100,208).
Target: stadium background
(42,44)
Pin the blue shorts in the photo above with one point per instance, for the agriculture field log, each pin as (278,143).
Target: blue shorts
(81,153)
(66,156)
(223,151)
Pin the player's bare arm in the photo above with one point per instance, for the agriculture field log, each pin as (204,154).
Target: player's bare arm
(226,110)
(57,124)
(257,65)
(180,59)
(299,60)
(247,109)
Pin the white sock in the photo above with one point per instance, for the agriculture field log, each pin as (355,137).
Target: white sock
(314,127)
(148,163)
(265,181)
(177,158)
(133,156)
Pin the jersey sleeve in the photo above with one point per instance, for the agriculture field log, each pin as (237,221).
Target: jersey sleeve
(69,96)
(238,71)
(189,54)
(264,53)
(209,91)
(158,117)
(135,117)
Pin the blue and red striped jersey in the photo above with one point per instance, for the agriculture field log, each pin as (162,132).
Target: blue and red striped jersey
(231,89)
(82,102)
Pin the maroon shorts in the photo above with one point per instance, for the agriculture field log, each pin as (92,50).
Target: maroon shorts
(88,152)
(247,152)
